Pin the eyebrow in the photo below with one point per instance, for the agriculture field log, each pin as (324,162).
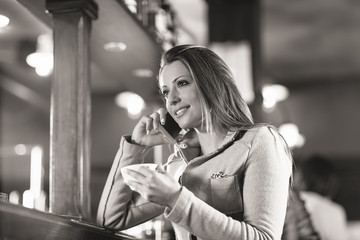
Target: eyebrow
(173,81)
(177,78)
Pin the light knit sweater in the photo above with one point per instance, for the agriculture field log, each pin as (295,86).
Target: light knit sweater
(240,191)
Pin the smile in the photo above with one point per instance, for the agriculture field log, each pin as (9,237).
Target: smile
(180,111)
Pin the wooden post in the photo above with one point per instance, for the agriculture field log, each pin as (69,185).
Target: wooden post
(70,116)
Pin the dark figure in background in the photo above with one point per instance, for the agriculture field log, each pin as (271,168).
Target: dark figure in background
(298,223)
(318,183)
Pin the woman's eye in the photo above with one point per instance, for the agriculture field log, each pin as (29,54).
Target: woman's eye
(182,83)
(165,93)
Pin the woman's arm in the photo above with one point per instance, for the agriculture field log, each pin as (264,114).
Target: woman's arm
(121,208)
(265,193)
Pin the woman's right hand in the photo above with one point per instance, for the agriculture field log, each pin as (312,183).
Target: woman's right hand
(146,131)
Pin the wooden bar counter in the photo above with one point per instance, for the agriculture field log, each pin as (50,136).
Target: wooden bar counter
(18,222)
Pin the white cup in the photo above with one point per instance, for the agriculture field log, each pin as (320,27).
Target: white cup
(135,167)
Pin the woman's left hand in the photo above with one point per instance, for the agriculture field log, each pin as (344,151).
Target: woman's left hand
(155,186)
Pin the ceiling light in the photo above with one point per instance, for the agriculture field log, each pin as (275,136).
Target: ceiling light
(143,73)
(272,94)
(42,62)
(4,21)
(275,92)
(290,132)
(43,59)
(20,149)
(132,102)
(115,46)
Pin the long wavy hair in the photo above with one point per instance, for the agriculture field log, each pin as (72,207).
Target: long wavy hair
(222,106)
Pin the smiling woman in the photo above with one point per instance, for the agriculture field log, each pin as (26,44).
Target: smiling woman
(226,172)
(181,94)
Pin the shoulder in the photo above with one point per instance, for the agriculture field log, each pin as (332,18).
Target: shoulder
(268,146)
(262,134)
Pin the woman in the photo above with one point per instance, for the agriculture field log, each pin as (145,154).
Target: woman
(228,179)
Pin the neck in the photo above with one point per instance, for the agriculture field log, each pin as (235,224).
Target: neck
(209,142)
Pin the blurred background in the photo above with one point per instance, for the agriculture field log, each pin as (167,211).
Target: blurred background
(297,64)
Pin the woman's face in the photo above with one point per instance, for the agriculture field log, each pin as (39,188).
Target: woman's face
(181,95)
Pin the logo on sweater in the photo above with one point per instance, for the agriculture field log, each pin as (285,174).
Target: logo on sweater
(218,175)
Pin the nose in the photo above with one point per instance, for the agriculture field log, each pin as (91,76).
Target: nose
(173,98)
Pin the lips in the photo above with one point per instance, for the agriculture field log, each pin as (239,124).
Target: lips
(180,111)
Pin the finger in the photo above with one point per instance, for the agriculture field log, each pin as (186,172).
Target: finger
(160,169)
(148,121)
(162,112)
(146,171)
(156,120)
(152,175)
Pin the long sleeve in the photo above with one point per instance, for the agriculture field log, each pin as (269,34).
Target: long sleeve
(121,208)
(265,195)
